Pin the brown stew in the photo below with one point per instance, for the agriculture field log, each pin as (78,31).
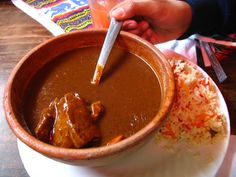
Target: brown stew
(129,90)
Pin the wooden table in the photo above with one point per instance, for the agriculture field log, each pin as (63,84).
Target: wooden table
(19,34)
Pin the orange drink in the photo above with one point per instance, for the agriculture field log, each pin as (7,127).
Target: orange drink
(99,11)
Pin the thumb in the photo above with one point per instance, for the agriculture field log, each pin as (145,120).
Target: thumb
(128,9)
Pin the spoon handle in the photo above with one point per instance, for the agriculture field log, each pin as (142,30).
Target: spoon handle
(219,71)
(111,35)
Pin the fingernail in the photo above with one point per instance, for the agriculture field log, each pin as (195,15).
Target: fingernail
(119,12)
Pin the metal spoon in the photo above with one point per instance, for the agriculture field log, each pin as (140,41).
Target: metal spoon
(112,33)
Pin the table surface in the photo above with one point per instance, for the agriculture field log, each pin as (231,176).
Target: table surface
(19,34)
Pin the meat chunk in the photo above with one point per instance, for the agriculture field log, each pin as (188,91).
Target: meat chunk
(96,109)
(73,125)
(46,122)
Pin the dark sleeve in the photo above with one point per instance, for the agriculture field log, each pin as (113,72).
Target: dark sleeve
(212,17)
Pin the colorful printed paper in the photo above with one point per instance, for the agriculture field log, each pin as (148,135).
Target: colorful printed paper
(58,16)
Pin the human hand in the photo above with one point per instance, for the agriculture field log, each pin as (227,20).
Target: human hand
(154,20)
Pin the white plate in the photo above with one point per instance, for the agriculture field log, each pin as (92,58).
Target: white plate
(152,160)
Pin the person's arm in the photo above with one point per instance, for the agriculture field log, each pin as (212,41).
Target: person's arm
(212,17)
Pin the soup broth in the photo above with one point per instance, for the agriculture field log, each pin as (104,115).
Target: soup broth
(129,89)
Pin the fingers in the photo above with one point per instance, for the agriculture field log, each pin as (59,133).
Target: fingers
(129,25)
(141,29)
(151,36)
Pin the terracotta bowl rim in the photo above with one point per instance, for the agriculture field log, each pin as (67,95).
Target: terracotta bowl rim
(90,153)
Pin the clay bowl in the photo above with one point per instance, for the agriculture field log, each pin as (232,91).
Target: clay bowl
(30,64)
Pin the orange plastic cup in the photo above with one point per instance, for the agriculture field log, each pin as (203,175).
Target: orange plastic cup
(99,11)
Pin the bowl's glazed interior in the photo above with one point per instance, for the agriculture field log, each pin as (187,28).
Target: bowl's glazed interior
(36,59)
